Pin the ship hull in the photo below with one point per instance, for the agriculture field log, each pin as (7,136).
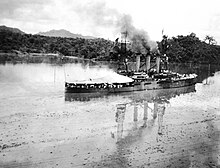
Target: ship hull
(158,95)
(130,87)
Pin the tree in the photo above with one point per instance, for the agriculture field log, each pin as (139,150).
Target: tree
(210,39)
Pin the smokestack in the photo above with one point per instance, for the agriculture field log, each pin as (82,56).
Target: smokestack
(147,62)
(158,63)
(138,61)
(124,41)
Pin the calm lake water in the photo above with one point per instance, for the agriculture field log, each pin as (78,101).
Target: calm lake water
(42,126)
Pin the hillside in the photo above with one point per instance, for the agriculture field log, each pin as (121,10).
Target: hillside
(180,49)
(79,47)
(13,30)
(63,33)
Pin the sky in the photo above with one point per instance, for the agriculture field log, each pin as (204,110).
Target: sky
(100,18)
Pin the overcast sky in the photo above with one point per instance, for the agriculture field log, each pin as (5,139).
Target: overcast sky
(99,17)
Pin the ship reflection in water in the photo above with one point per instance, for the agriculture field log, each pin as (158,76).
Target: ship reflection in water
(149,107)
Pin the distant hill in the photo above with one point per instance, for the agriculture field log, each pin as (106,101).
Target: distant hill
(14,30)
(63,33)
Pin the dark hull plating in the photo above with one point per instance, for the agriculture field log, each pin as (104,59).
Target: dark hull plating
(131,87)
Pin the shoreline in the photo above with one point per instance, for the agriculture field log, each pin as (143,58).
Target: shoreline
(26,57)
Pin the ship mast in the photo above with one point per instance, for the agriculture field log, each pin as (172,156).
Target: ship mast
(124,48)
(164,47)
(162,53)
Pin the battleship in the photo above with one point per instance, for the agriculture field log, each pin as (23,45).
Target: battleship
(152,78)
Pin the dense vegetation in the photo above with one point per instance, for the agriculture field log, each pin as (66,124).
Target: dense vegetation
(190,49)
(180,49)
(79,47)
